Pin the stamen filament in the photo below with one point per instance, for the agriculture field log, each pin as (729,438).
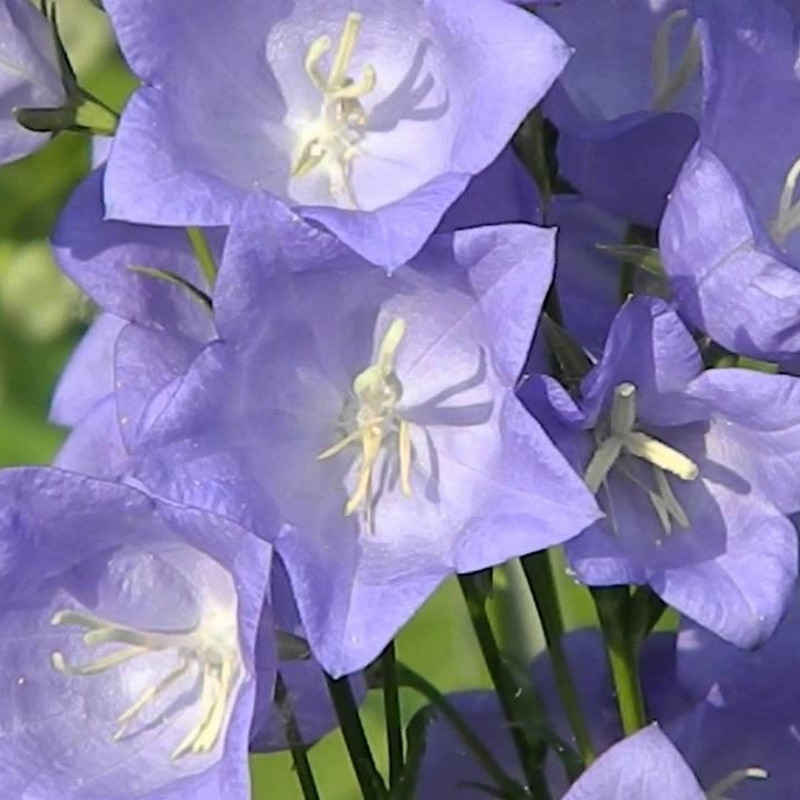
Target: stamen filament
(734,779)
(661,455)
(668,86)
(788,218)
(344,53)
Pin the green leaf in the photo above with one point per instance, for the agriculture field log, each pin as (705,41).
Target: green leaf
(571,362)
(641,256)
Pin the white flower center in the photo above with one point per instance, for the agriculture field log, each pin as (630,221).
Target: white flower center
(623,439)
(668,83)
(377,391)
(787,220)
(211,648)
(331,142)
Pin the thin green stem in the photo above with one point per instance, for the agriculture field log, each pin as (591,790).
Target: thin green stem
(391,710)
(613,607)
(369,779)
(294,739)
(205,258)
(531,754)
(539,573)
(408,677)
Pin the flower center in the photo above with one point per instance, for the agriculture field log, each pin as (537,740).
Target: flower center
(623,439)
(212,651)
(378,426)
(734,779)
(331,142)
(668,84)
(787,220)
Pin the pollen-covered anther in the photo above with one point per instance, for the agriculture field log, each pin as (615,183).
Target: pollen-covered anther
(377,391)
(218,667)
(332,141)
(623,439)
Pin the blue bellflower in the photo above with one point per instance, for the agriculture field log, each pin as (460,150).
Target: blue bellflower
(694,470)
(729,238)
(127,629)
(366,115)
(378,413)
(625,105)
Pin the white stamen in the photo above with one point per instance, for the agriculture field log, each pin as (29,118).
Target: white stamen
(215,656)
(668,85)
(332,141)
(787,219)
(377,391)
(622,439)
(734,779)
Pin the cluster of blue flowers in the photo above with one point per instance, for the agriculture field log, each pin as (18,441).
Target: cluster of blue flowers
(351,342)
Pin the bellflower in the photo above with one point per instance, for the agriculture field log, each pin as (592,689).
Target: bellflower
(379,415)
(626,102)
(729,236)
(120,367)
(695,471)
(367,116)
(29,75)
(127,628)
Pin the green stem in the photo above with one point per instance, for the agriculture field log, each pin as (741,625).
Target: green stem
(391,709)
(294,739)
(203,254)
(504,782)
(622,644)
(367,775)
(539,573)
(505,685)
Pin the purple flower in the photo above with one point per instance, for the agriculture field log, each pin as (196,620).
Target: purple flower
(625,103)
(377,413)
(695,471)
(29,75)
(729,235)
(127,628)
(118,369)
(646,766)
(369,118)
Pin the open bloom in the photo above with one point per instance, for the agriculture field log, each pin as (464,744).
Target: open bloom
(127,630)
(368,116)
(378,414)
(695,471)
(29,75)
(625,105)
(729,238)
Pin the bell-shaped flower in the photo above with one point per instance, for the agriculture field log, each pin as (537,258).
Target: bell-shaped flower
(694,470)
(369,118)
(729,239)
(625,105)
(153,324)
(127,629)
(30,75)
(378,413)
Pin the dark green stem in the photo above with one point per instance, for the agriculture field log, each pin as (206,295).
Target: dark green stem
(294,739)
(408,677)
(391,709)
(539,573)
(205,258)
(344,703)
(622,644)
(507,688)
